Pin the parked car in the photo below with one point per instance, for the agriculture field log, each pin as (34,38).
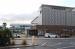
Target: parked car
(18,35)
(50,35)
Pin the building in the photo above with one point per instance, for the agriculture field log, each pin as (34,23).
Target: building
(18,29)
(58,19)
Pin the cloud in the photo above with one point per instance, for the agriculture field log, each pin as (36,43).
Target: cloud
(24,11)
(23,6)
(22,18)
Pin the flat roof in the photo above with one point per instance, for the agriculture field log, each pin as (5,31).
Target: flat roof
(56,6)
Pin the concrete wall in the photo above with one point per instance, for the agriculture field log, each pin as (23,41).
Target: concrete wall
(56,16)
(73,18)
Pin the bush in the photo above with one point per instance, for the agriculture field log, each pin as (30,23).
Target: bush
(5,36)
(2,41)
(24,42)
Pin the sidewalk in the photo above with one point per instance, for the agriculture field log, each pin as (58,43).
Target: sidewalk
(18,46)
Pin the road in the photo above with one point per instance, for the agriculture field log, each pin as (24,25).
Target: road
(54,43)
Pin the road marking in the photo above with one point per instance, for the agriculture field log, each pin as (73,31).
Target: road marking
(18,48)
(46,44)
(66,47)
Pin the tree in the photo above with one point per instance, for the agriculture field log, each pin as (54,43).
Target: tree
(5,36)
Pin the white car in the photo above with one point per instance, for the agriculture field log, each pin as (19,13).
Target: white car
(50,35)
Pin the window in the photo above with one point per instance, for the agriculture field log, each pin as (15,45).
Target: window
(58,8)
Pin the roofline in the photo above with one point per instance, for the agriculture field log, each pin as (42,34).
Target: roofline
(34,19)
(20,24)
(56,6)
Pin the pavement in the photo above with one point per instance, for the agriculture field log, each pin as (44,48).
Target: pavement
(48,43)
(17,46)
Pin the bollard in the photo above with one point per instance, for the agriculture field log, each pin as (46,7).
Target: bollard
(34,40)
(13,42)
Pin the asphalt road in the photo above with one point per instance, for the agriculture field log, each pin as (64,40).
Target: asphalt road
(52,44)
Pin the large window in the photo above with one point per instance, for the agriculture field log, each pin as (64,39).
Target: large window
(58,8)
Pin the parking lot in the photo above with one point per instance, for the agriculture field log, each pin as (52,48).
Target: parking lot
(51,43)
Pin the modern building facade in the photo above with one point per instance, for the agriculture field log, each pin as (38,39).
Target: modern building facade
(20,28)
(55,19)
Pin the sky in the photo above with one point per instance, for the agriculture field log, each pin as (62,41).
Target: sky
(24,11)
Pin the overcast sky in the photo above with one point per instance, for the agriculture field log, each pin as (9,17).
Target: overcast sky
(24,11)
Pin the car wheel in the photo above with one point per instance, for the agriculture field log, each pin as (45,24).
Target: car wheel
(55,36)
(48,36)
